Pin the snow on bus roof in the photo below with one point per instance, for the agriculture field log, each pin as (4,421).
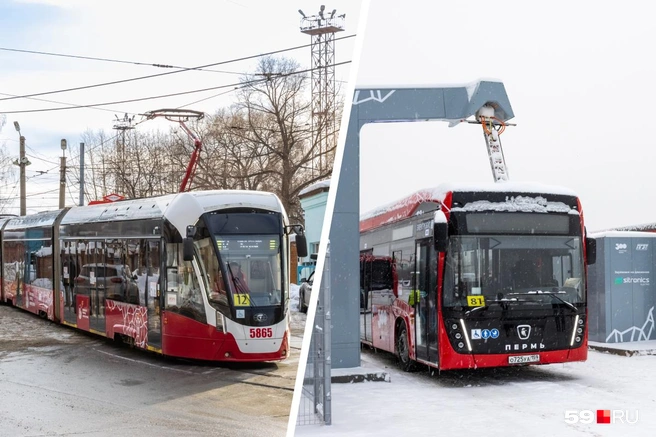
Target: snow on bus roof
(405,207)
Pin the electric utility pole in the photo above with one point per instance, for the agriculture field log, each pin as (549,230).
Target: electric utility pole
(62,175)
(22,162)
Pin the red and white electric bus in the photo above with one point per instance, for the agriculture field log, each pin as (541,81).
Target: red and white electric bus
(464,277)
(202,274)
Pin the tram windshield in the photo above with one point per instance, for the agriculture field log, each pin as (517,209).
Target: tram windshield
(248,269)
(252,266)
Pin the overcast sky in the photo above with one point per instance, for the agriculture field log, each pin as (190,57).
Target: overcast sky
(187,34)
(579,76)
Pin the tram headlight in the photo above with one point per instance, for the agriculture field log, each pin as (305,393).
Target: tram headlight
(461,345)
(220,322)
(458,335)
(578,339)
(454,326)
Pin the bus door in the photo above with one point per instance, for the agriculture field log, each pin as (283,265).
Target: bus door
(365,299)
(424,297)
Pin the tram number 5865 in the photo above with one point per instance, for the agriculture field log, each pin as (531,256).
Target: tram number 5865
(261,332)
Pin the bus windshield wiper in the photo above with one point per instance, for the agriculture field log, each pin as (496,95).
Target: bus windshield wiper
(503,302)
(476,310)
(570,305)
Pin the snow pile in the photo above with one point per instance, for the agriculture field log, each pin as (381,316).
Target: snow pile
(294,297)
(44,251)
(507,402)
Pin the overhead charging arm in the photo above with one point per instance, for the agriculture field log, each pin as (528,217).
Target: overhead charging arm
(484,102)
(180,116)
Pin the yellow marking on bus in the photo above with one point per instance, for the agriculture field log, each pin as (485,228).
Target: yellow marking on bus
(93,331)
(242,300)
(154,349)
(476,301)
(64,322)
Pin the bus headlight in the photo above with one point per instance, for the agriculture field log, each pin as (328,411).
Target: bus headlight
(464,332)
(577,330)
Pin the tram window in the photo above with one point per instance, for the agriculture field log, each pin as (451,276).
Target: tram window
(217,290)
(183,292)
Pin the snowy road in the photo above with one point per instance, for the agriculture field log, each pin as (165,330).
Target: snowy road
(56,381)
(526,401)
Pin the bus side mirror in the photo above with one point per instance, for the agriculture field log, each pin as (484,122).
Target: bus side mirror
(440,236)
(440,231)
(590,250)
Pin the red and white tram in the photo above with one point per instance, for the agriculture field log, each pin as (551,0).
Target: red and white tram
(202,274)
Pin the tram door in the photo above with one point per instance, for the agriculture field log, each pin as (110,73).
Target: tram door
(153,298)
(425,301)
(70,265)
(97,274)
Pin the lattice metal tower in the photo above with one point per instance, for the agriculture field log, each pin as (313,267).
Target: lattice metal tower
(121,125)
(322,28)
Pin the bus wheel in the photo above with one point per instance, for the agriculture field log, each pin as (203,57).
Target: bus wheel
(403,350)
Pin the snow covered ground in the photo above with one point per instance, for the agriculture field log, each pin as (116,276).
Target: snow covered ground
(297,322)
(523,401)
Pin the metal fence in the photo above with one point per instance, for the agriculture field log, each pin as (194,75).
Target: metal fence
(315,405)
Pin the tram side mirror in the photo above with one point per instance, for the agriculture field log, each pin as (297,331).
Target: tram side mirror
(590,250)
(188,244)
(301,241)
(440,236)
(301,246)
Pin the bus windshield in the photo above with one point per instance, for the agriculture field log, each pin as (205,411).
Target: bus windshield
(535,269)
(251,270)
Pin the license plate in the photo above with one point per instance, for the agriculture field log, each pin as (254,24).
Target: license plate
(521,359)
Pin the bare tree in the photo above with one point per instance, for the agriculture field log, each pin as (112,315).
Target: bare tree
(264,141)
(267,135)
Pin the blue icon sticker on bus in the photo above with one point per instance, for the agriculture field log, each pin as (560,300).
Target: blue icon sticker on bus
(494,333)
(485,334)
(476,334)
